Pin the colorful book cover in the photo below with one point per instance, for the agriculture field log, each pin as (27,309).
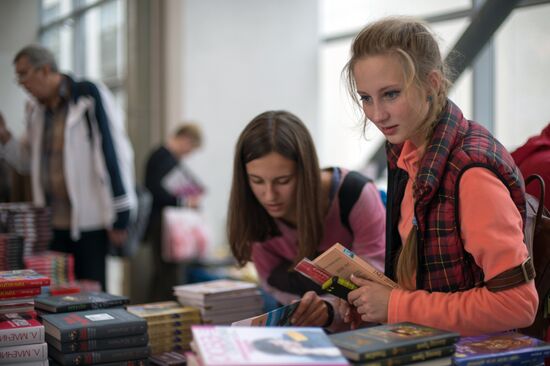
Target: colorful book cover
(79,301)
(499,349)
(19,292)
(99,357)
(254,346)
(22,278)
(20,328)
(93,324)
(98,344)
(372,343)
(278,317)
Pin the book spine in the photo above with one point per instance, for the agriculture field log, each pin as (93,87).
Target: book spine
(96,357)
(22,292)
(413,357)
(408,348)
(26,335)
(103,331)
(526,358)
(28,283)
(23,353)
(102,344)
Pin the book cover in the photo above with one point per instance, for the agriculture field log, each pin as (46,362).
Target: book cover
(215,289)
(19,292)
(99,357)
(20,328)
(390,340)
(251,346)
(278,317)
(499,348)
(22,278)
(165,310)
(93,324)
(433,356)
(98,344)
(23,353)
(342,262)
(169,359)
(79,301)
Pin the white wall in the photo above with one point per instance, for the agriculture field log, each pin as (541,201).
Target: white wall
(240,58)
(13,37)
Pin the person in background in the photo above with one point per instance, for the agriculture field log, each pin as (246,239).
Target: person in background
(283,208)
(171,183)
(533,157)
(456,203)
(79,157)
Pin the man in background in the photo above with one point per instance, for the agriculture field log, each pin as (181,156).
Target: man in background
(171,183)
(79,158)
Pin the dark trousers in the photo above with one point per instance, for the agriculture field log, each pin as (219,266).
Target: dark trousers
(89,253)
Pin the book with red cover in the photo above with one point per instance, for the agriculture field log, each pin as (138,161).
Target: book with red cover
(22,278)
(20,328)
(19,292)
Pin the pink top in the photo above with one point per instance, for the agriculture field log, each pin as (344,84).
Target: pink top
(491,229)
(367,219)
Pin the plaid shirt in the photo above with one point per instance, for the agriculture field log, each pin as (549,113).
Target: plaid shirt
(457,144)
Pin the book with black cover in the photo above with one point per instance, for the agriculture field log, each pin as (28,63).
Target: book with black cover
(499,349)
(432,356)
(93,324)
(99,357)
(98,344)
(79,301)
(390,340)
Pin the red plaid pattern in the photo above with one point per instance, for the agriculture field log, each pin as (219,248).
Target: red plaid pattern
(456,145)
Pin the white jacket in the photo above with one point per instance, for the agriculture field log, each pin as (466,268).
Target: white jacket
(97,156)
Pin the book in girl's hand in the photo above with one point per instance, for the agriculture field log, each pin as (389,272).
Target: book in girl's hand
(279,317)
(506,348)
(79,301)
(390,340)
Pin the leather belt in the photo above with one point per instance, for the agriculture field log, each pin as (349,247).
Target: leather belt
(512,277)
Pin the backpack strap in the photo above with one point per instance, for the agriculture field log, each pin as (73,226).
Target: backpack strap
(349,193)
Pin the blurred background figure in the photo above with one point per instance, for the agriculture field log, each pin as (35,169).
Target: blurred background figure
(533,157)
(79,157)
(171,183)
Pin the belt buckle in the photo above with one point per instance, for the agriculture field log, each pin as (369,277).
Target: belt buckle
(524,269)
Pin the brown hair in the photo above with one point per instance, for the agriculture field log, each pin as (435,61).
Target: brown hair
(191,131)
(248,222)
(417,50)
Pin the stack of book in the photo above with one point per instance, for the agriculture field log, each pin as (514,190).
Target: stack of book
(30,222)
(222,301)
(11,251)
(78,302)
(22,340)
(56,265)
(296,346)
(397,344)
(18,289)
(168,325)
(96,336)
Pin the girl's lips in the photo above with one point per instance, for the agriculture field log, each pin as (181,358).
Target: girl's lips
(391,130)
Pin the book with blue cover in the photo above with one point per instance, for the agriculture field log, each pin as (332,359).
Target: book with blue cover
(389,340)
(276,318)
(500,349)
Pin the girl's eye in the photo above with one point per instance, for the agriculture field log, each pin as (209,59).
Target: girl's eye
(255,181)
(392,94)
(365,98)
(283,181)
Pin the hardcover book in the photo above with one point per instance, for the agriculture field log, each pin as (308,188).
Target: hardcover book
(434,357)
(389,340)
(342,262)
(99,357)
(23,353)
(251,346)
(142,362)
(93,324)
(216,289)
(79,301)
(169,359)
(278,317)
(20,328)
(98,344)
(165,311)
(499,349)
(22,278)
(19,292)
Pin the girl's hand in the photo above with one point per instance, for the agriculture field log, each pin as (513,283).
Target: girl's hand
(311,312)
(370,299)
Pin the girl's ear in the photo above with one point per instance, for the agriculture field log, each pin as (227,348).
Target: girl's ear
(434,80)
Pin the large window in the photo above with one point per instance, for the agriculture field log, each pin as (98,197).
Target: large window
(88,39)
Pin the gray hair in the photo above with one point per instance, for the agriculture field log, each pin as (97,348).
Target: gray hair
(37,56)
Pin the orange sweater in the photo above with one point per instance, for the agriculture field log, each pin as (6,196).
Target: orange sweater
(491,229)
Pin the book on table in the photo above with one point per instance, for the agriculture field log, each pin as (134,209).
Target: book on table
(277,317)
(216,289)
(500,349)
(253,346)
(20,328)
(390,340)
(22,278)
(79,301)
(99,356)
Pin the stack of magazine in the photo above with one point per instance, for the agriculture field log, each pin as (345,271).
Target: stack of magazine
(168,325)
(222,301)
